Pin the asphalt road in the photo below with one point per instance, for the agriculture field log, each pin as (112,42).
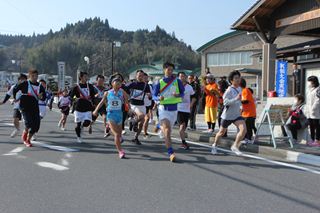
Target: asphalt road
(59,175)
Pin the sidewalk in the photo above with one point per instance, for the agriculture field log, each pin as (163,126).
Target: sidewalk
(299,154)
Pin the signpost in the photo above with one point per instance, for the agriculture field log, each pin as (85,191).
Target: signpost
(61,75)
(282,79)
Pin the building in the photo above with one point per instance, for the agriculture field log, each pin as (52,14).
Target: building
(271,19)
(239,50)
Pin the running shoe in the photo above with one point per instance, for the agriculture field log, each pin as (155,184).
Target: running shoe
(235,150)
(123,132)
(172,157)
(146,136)
(136,141)
(27,143)
(34,137)
(106,135)
(14,133)
(79,140)
(63,129)
(185,146)
(214,150)
(122,154)
(208,131)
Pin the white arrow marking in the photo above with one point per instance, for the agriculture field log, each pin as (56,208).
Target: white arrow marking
(57,148)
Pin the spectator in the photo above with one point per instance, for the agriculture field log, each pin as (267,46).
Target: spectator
(197,94)
(248,110)
(212,92)
(313,110)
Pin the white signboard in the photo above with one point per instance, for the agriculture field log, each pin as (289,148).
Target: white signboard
(61,75)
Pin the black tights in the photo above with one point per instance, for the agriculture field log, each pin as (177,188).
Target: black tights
(211,125)
(314,129)
(78,128)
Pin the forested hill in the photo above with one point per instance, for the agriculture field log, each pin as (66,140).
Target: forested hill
(92,37)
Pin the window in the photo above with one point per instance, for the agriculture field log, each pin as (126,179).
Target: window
(229,59)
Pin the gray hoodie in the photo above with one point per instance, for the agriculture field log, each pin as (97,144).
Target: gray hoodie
(232,105)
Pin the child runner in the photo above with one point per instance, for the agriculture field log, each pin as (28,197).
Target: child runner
(113,100)
(64,106)
(85,93)
(184,109)
(231,114)
(16,105)
(32,92)
(100,89)
(169,91)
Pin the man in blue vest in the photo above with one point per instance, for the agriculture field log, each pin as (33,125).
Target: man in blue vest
(169,91)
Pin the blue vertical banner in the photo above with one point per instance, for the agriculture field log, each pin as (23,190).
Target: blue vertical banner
(282,78)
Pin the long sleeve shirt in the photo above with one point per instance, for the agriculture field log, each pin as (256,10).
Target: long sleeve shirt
(156,93)
(232,104)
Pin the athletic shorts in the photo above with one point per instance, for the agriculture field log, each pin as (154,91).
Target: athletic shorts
(169,115)
(138,109)
(82,116)
(115,117)
(148,109)
(210,114)
(226,123)
(31,120)
(17,114)
(183,118)
(65,110)
(42,110)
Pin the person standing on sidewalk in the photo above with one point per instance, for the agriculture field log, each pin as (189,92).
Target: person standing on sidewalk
(312,109)
(197,94)
(184,109)
(32,91)
(212,93)
(231,113)
(16,105)
(248,110)
(169,91)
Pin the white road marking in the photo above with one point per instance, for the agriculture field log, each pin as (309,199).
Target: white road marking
(15,151)
(53,166)
(8,124)
(57,148)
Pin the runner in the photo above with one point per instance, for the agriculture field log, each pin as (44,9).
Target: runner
(64,106)
(43,104)
(169,91)
(85,93)
(211,108)
(138,91)
(113,100)
(16,105)
(100,89)
(184,109)
(32,92)
(148,102)
(231,113)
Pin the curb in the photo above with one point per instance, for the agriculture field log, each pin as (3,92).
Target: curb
(286,155)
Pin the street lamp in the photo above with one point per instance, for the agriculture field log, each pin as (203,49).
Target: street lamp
(113,44)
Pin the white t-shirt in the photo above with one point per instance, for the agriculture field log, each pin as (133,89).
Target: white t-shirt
(186,101)
(147,101)
(16,104)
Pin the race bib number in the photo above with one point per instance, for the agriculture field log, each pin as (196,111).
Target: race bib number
(115,105)
(169,92)
(137,94)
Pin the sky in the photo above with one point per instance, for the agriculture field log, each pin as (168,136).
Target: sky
(194,21)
